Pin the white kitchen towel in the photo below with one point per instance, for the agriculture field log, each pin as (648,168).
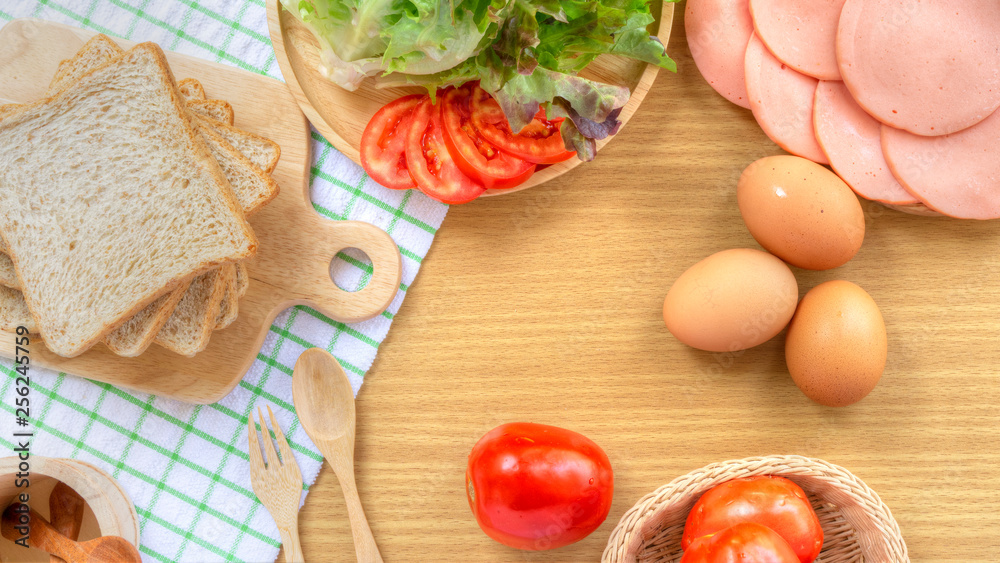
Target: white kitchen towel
(186,467)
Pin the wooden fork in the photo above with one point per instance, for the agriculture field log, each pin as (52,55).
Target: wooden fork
(277,483)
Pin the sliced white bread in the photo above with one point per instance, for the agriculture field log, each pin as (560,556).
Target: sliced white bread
(96,52)
(191,89)
(261,151)
(8,108)
(148,207)
(14,311)
(99,50)
(137,333)
(242,279)
(229,307)
(134,336)
(8,276)
(253,187)
(190,326)
(218,110)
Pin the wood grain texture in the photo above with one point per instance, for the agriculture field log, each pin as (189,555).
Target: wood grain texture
(41,535)
(545,306)
(341,116)
(278,482)
(324,401)
(109,511)
(296,245)
(66,508)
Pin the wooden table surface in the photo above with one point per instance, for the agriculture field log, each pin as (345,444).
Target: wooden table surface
(545,306)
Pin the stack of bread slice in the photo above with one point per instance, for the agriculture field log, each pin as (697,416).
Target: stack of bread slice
(123,205)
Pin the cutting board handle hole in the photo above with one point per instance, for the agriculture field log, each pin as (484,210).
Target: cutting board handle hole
(351,269)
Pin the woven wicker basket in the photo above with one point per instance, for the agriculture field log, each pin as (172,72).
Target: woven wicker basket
(857,526)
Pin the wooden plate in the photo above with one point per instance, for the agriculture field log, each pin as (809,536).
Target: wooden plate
(341,116)
(296,245)
(109,510)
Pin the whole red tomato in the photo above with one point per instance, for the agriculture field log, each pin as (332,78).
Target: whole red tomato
(742,543)
(772,501)
(537,487)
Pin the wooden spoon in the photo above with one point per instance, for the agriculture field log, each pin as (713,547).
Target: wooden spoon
(106,549)
(66,512)
(324,401)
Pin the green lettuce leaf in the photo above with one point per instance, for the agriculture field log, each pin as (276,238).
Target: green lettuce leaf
(526,53)
(362,38)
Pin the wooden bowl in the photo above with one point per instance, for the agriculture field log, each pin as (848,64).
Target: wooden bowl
(857,526)
(109,511)
(341,116)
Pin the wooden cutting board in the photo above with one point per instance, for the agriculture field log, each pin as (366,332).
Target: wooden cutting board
(292,266)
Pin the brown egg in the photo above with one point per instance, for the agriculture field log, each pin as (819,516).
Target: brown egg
(801,212)
(732,300)
(836,344)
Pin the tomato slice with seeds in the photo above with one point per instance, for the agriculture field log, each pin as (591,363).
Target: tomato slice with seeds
(540,142)
(431,165)
(383,144)
(473,154)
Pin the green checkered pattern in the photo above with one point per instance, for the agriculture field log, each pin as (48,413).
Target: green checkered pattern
(186,467)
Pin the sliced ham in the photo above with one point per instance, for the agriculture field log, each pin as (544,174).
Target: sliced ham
(852,141)
(782,101)
(957,174)
(931,67)
(801,33)
(717,32)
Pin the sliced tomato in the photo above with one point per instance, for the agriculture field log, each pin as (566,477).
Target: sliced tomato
(383,144)
(431,165)
(473,154)
(539,142)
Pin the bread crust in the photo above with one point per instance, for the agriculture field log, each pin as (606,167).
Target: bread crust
(137,333)
(131,338)
(190,327)
(243,240)
(69,70)
(263,190)
(231,133)
(191,89)
(230,307)
(219,110)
